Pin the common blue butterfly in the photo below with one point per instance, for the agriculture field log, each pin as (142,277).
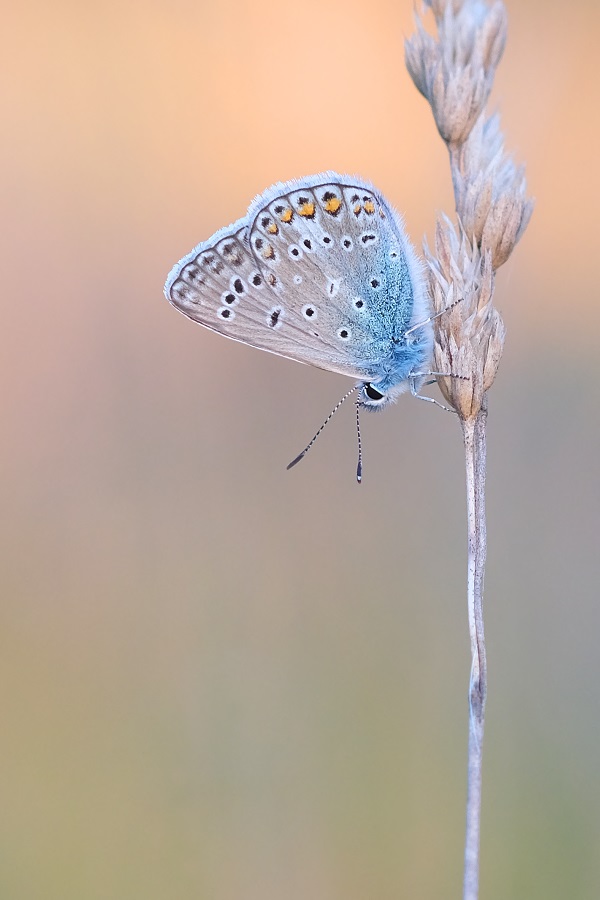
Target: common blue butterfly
(319,270)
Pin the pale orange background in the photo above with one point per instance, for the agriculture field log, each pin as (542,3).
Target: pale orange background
(219,679)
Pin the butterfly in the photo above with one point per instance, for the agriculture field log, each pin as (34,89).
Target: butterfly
(320,270)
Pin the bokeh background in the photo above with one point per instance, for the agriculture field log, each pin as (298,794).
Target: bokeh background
(220,679)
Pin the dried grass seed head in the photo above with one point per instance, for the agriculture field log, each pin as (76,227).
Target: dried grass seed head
(469,339)
(456,71)
(490,190)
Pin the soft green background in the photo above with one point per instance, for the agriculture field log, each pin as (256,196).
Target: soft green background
(219,679)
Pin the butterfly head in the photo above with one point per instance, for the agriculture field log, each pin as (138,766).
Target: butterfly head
(379,395)
(401,371)
(372,398)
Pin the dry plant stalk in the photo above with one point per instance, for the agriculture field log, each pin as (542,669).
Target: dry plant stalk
(455,72)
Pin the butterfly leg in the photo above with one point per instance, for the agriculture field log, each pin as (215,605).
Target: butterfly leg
(441,374)
(413,390)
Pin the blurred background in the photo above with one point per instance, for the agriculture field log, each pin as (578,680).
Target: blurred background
(220,679)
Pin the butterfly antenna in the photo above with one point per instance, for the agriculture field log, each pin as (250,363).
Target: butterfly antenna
(328,419)
(431,318)
(359,466)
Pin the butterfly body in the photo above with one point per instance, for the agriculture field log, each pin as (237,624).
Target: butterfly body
(321,271)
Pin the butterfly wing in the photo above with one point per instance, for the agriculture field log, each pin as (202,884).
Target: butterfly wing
(316,272)
(221,285)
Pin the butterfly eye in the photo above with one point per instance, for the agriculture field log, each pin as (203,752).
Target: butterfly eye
(372,393)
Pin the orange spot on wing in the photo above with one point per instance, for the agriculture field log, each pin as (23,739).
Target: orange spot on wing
(369,207)
(287,215)
(307,209)
(268,252)
(332,205)
(357,209)
(272,228)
